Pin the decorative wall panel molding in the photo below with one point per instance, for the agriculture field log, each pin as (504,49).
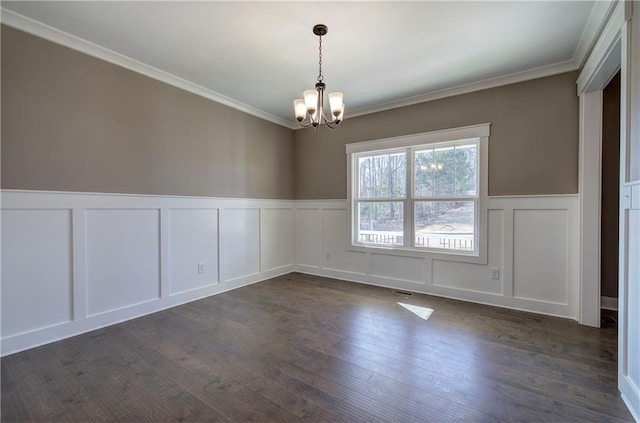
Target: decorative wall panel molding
(74,262)
(533,241)
(629,307)
(37,281)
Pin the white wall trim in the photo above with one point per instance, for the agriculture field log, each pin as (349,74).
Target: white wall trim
(497,197)
(510,224)
(168,236)
(597,20)
(589,176)
(627,398)
(602,64)
(63,38)
(465,132)
(593,76)
(477,297)
(477,133)
(39,29)
(105,200)
(46,335)
(609,303)
(471,87)
(325,220)
(614,50)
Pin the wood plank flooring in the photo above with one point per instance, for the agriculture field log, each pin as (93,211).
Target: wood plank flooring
(305,348)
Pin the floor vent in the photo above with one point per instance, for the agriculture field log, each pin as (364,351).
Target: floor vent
(403,293)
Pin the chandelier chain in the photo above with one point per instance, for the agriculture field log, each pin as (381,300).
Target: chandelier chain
(320,77)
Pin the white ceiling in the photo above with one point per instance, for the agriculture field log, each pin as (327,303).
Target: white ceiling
(259,56)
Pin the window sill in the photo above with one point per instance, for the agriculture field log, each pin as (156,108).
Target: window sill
(462,257)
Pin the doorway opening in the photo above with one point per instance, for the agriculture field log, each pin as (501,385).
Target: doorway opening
(609,207)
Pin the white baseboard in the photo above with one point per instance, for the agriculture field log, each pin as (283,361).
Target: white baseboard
(43,336)
(532,241)
(454,294)
(76,262)
(631,397)
(609,303)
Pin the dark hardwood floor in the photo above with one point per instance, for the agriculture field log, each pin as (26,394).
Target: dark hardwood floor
(301,347)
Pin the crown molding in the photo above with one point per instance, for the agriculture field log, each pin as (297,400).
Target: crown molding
(598,18)
(512,78)
(605,56)
(600,14)
(39,29)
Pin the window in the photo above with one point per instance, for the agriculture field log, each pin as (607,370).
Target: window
(382,190)
(419,193)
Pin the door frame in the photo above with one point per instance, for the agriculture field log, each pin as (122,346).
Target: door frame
(610,54)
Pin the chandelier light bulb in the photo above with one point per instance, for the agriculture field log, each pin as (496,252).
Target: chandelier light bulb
(300,109)
(341,115)
(310,100)
(335,102)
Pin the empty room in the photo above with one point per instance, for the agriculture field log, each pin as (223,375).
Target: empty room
(320,211)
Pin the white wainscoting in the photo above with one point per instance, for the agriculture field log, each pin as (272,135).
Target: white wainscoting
(74,262)
(629,306)
(533,241)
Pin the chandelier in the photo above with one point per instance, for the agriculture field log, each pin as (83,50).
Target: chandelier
(310,110)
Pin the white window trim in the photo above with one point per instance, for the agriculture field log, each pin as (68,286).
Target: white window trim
(478,132)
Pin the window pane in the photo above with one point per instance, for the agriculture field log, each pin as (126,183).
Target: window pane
(424,173)
(445,224)
(465,159)
(381,223)
(382,176)
(445,171)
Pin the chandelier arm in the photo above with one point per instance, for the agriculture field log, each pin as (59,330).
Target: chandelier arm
(332,125)
(324,116)
(303,124)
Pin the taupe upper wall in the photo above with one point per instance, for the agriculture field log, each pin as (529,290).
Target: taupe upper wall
(533,148)
(71,122)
